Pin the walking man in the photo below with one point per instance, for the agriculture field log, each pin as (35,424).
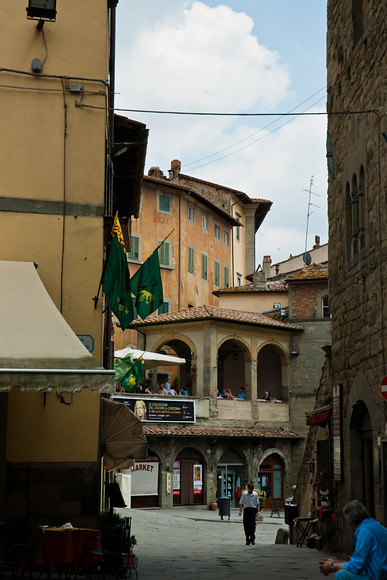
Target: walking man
(249,501)
(369,560)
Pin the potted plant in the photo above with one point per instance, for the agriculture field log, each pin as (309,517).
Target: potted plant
(129,559)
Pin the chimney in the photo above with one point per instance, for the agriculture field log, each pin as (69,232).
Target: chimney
(266,266)
(316,242)
(155,171)
(175,168)
(259,279)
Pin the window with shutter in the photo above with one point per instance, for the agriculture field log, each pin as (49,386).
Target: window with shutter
(226,277)
(204,266)
(165,254)
(191,259)
(217,273)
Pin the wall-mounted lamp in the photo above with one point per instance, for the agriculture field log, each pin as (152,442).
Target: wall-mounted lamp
(310,465)
(41,10)
(294,351)
(208,451)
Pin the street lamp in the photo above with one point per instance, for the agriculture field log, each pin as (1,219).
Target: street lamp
(41,10)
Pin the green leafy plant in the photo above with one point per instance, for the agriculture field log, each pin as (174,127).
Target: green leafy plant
(132,542)
(108,519)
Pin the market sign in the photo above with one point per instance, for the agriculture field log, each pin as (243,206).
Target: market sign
(162,410)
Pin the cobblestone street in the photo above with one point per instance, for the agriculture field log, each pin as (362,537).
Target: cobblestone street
(194,544)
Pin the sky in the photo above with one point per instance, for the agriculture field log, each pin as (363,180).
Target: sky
(235,56)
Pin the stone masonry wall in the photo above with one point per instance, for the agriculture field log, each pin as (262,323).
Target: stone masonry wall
(357,81)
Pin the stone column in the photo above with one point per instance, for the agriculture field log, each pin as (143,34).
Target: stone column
(210,361)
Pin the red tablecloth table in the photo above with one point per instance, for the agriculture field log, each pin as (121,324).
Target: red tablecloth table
(64,547)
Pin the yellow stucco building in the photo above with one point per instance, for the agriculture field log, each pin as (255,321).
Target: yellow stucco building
(55,202)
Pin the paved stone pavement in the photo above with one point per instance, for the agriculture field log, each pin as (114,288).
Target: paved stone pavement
(194,543)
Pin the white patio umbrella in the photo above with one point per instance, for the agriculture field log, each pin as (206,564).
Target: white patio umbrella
(152,359)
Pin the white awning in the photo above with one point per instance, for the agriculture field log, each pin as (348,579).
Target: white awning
(38,349)
(152,359)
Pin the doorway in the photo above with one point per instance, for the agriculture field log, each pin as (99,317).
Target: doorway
(271,477)
(188,478)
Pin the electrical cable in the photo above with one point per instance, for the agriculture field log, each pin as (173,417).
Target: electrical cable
(255,132)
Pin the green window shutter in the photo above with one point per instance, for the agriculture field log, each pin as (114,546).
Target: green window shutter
(134,254)
(163,308)
(226,276)
(204,267)
(217,273)
(164,203)
(165,254)
(191,259)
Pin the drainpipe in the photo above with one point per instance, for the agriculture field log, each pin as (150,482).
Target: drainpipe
(179,264)
(232,248)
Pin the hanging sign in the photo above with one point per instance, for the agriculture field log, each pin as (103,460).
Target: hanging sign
(383,387)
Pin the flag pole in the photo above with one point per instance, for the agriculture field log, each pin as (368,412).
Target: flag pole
(96,297)
(160,244)
(166,237)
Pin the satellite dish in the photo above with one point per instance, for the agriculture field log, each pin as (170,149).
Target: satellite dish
(307,259)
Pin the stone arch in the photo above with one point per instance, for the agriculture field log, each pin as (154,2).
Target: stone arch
(274,451)
(272,371)
(361,431)
(192,465)
(272,469)
(184,375)
(234,365)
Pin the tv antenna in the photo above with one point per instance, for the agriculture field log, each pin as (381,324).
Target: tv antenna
(307,257)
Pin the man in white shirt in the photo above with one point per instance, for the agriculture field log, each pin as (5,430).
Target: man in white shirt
(250,503)
(167,385)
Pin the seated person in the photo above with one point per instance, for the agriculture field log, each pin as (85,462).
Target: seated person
(162,390)
(183,391)
(229,394)
(241,394)
(172,391)
(267,396)
(220,394)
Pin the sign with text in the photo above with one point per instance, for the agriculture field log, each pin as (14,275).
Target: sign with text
(176,477)
(145,478)
(161,410)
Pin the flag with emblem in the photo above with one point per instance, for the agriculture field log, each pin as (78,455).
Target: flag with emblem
(147,286)
(129,373)
(116,280)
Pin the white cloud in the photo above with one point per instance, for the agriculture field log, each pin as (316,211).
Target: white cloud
(187,56)
(202,58)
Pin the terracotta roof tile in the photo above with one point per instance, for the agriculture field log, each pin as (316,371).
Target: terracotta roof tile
(214,312)
(198,431)
(312,272)
(278,286)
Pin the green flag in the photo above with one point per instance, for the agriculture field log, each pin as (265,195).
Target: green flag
(147,287)
(116,280)
(122,366)
(131,380)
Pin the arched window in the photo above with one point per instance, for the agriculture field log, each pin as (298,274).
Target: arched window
(355,204)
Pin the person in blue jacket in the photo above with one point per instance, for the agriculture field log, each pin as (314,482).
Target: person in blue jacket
(369,559)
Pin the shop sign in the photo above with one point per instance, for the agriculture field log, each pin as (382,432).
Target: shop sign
(161,410)
(197,479)
(145,477)
(176,478)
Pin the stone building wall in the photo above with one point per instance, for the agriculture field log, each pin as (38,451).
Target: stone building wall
(357,81)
